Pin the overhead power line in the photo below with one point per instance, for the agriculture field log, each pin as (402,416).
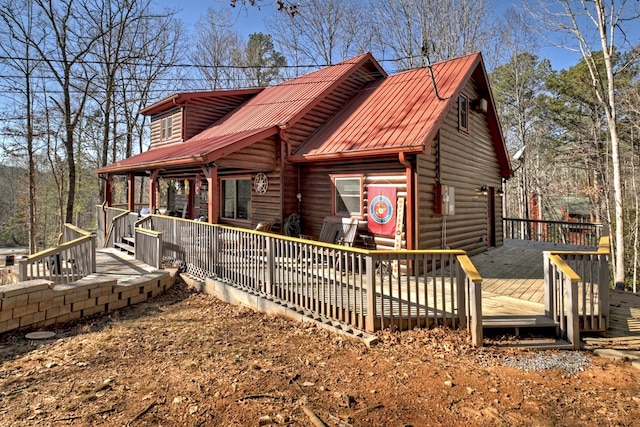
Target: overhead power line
(199,66)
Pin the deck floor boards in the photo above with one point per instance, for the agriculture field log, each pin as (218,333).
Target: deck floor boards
(513,281)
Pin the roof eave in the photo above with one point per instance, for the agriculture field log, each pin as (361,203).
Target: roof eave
(182,97)
(327,157)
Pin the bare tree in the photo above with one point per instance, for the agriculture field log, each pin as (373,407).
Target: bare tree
(324,32)
(16,48)
(67,38)
(133,34)
(214,43)
(605,21)
(152,77)
(419,31)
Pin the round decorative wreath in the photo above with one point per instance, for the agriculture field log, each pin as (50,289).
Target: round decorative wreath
(261,183)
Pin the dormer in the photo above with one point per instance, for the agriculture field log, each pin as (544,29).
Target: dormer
(179,117)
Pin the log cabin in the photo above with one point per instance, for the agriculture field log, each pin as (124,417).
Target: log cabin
(418,157)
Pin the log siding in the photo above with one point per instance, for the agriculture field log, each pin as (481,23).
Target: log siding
(466,161)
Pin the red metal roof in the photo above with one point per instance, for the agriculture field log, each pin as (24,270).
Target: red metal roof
(398,113)
(181,154)
(259,117)
(283,103)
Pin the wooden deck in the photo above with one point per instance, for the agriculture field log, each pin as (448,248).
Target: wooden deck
(513,283)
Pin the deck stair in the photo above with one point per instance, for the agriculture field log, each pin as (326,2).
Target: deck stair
(126,245)
(544,331)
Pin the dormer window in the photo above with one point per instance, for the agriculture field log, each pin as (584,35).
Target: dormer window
(167,127)
(463,113)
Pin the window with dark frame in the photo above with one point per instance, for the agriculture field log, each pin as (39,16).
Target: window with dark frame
(347,195)
(463,112)
(236,198)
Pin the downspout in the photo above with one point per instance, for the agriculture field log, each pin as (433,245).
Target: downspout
(409,202)
(281,128)
(183,116)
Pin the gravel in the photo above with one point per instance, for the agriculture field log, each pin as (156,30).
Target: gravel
(571,361)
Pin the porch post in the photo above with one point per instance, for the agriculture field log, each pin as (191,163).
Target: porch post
(153,191)
(131,192)
(211,173)
(191,197)
(108,190)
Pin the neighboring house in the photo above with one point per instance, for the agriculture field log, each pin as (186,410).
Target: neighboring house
(347,140)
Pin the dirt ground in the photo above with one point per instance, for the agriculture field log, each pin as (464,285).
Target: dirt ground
(187,359)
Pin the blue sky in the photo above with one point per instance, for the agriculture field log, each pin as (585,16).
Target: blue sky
(252,19)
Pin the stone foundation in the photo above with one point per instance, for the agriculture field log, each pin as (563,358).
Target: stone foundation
(40,303)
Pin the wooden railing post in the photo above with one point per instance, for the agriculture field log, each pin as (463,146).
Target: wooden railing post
(603,288)
(371,294)
(573,328)
(461,295)
(271,263)
(549,302)
(22,269)
(93,253)
(476,313)
(160,245)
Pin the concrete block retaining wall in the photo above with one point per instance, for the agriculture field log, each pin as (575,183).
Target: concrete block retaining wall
(40,303)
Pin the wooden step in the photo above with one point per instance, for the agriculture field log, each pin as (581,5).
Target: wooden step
(124,247)
(536,344)
(518,321)
(129,240)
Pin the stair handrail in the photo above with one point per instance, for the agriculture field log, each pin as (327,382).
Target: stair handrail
(116,224)
(561,297)
(470,298)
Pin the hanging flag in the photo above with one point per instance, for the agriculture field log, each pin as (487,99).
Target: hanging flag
(381,211)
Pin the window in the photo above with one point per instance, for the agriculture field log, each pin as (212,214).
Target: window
(463,112)
(347,195)
(167,127)
(236,198)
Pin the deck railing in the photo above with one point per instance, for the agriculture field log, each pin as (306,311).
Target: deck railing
(572,233)
(148,247)
(367,290)
(592,270)
(70,261)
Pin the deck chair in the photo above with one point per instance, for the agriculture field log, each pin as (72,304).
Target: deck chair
(338,230)
(265,225)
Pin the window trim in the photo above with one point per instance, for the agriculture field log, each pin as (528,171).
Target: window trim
(221,199)
(337,177)
(463,115)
